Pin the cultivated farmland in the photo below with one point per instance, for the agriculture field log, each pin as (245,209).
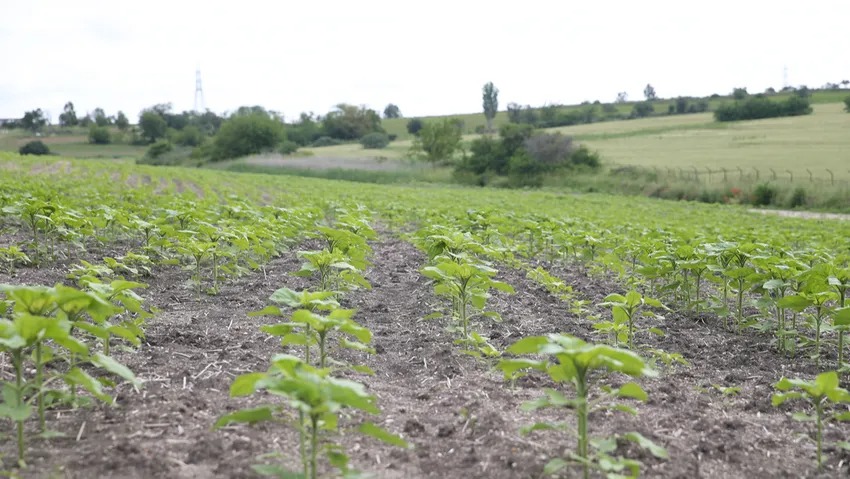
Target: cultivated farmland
(193,323)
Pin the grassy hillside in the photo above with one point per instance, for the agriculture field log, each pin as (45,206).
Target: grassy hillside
(816,142)
(398,126)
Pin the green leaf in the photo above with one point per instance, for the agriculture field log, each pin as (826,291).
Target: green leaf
(267,311)
(647,444)
(113,366)
(528,345)
(542,426)
(81,378)
(245,384)
(632,390)
(381,434)
(279,472)
(554,466)
(250,416)
(803,417)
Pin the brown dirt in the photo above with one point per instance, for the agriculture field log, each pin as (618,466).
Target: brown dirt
(461,418)
(809,215)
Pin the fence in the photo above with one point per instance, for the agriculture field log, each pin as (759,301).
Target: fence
(822,176)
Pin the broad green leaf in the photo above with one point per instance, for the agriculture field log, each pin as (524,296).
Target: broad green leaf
(647,444)
(250,416)
(381,434)
(81,378)
(113,366)
(542,426)
(245,384)
(267,311)
(554,466)
(632,390)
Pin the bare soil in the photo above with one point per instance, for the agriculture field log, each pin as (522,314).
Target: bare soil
(461,418)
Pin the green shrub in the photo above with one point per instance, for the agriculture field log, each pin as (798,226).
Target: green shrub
(764,195)
(190,136)
(159,148)
(36,147)
(375,141)
(798,198)
(99,135)
(582,156)
(287,147)
(325,141)
(243,135)
(414,125)
(847,103)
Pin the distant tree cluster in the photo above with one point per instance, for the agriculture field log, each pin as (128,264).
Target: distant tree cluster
(550,116)
(760,106)
(345,123)
(684,105)
(523,156)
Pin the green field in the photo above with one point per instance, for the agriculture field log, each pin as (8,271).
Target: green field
(152,313)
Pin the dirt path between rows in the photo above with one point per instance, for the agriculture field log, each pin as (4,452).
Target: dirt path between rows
(810,215)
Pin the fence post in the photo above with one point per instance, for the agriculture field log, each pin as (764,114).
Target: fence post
(811,178)
(740,173)
(757,173)
(725,178)
(831,176)
(790,175)
(774,172)
(708,170)
(696,173)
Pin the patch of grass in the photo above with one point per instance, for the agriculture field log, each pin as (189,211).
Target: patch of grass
(394,176)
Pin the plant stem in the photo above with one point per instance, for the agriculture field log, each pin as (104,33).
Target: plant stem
(302,442)
(322,350)
(314,446)
(581,416)
(819,432)
(39,380)
(17,359)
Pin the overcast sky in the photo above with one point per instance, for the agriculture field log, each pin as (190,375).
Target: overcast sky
(428,57)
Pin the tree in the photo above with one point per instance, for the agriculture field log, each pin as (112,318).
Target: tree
(847,104)
(392,111)
(99,117)
(121,121)
(153,125)
(33,120)
(34,148)
(414,126)
(349,122)
(437,141)
(642,109)
(68,117)
(243,135)
(739,93)
(622,97)
(99,135)
(491,103)
(649,93)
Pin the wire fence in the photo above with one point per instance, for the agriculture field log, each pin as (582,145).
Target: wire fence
(814,176)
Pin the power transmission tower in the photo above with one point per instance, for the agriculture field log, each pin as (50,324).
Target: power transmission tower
(199,93)
(785,77)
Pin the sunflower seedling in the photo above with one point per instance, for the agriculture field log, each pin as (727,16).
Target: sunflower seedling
(320,401)
(577,362)
(823,394)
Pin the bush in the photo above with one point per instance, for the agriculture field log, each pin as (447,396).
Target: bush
(190,136)
(325,141)
(287,147)
(244,135)
(159,148)
(642,109)
(34,148)
(375,141)
(760,106)
(99,135)
(764,195)
(550,150)
(414,125)
(798,198)
(586,158)
(847,104)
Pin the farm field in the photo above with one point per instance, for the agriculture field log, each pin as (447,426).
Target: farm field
(168,267)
